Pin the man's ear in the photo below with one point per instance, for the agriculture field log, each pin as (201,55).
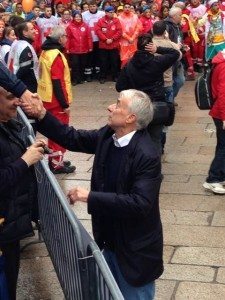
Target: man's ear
(132,118)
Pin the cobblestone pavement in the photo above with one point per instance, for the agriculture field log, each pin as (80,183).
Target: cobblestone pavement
(194,220)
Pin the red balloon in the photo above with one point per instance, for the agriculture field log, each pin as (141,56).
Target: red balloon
(27,5)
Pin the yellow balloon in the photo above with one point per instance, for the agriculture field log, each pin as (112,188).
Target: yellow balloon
(27,5)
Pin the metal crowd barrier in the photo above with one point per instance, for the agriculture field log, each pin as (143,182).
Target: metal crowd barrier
(80,266)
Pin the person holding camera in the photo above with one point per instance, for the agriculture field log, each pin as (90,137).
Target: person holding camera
(18,189)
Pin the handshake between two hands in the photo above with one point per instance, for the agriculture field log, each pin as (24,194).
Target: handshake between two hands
(32,105)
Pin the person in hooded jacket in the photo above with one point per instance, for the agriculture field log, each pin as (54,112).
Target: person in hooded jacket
(54,88)
(215,182)
(144,72)
(79,44)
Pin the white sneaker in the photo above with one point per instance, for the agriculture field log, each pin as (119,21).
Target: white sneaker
(216,187)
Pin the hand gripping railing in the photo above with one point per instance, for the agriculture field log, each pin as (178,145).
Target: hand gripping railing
(80,266)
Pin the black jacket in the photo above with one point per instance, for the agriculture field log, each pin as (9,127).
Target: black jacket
(145,71)
(133,209)
(10,82)
(17,185)
(175,34)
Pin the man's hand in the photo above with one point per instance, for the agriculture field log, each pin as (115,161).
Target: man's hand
(223,125)
(34,153)
(34,107)
(78,194)
(152,48)
(28,96)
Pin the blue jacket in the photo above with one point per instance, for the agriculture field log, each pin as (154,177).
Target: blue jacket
(133,209)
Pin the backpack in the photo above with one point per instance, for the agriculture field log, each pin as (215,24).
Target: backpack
(203,92)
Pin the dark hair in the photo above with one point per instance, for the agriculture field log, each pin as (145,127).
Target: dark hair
(92,2)
(2,10)
(159,27)
(143,40)
(19,30)
(15,20)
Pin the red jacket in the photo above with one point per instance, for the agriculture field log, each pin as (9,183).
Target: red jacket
(37,40)
(218,87)
(79,38)
(146,24)
(107,28)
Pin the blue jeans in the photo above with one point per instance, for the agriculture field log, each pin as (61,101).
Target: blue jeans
(178,80)
(217,168)
(169,94)
(146,292)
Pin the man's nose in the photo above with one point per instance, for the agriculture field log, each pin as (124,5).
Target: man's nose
(112,107)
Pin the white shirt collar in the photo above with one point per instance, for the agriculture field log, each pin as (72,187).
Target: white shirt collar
(124,140)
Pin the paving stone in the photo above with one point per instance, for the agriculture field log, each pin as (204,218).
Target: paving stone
(205,236)
(33,250)
(34,283)
(186,217)
(176,178)
(208,256)
(184,168)
(164,289)
(188,273)
(200,291)
(80,209)
(209,202)
(219,218)
(207,150)
(168,253)
(220,278)
(187,158)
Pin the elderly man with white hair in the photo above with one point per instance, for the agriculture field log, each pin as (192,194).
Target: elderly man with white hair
(124,195)
(54,88)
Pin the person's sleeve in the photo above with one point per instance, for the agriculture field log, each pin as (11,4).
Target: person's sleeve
(57,71)
(98,31)
(118,31)
(90,42)
(25,63)
(123,82)
(67,136)
(10,175)
(142,196)
(10,82)
(168,57)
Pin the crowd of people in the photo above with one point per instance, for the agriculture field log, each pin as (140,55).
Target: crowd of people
(149,49)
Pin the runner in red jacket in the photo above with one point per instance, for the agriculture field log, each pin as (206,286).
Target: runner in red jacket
(109,32)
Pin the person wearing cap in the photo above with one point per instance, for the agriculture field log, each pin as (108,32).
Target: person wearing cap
(146,19)
(109,32)
(79,44)
(214,29)
(131,28)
